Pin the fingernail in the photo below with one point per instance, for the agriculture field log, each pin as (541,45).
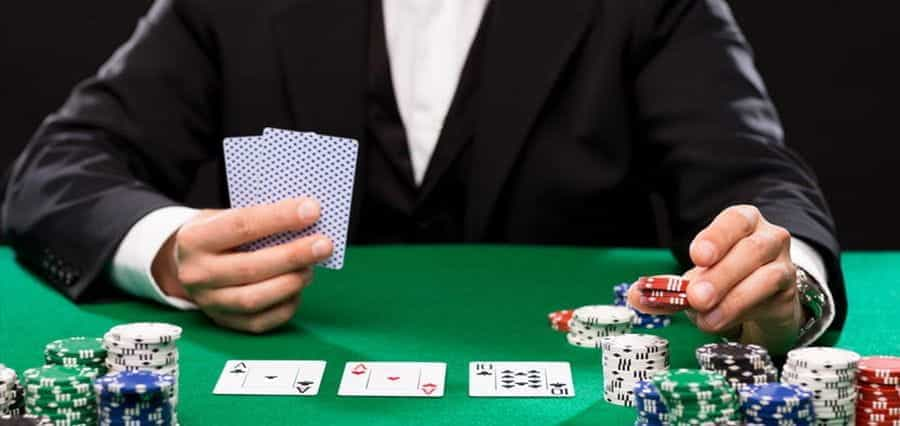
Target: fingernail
(703,293)
(713,318)
(321,248)
(704,250)
(308,210)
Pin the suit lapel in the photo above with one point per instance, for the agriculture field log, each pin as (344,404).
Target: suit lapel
(323,47)
(323,51)
(527,46)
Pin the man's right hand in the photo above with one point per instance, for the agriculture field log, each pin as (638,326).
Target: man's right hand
(249,291)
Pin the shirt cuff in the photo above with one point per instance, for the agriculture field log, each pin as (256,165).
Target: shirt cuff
(132,263)
(806,257)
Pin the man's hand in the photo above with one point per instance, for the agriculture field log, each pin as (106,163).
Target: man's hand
(743,284)
(249,291)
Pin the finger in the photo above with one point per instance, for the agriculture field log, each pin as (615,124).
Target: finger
(729,227)
(750,253)
(260,322)
(634,299)
(751,295)
(249,267)
(233,227)
(254,298)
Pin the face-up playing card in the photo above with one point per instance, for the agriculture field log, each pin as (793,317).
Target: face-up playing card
(521,379)
(416,379)
(300,378)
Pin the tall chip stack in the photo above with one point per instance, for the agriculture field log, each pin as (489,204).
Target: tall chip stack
(641,320)
(591,323)
(138,398)
(742,365)
(12,395)
(63,394)
(830,375)
(777,404)
(697,397)
(878,386)
(145,346)
(628,359)
(79,352)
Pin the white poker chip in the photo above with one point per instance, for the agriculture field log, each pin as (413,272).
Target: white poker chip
(823,358)
(603,314)
(146,332)
(634,343)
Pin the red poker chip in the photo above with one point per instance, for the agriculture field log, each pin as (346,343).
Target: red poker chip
(559,320)
(891,411)
(663,282)
(879,396)
(880,366)
(662,293)
(667,302)
(880,380)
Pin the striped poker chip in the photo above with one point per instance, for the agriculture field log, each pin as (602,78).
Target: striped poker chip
(663,282)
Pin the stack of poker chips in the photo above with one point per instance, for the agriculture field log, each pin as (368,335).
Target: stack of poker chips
(742,365)
(559,320)
(63,394)
(641,320)
(830,376)
(145,346)
(79,352)
(668,291)
(135,398)
(651,411)
(12,395)
(697,397)
(878,387)
(591,323)
(628,359)
(777,404)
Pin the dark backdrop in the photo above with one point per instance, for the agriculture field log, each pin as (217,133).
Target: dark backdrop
(829,64)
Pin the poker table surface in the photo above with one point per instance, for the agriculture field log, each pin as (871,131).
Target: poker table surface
(452,304)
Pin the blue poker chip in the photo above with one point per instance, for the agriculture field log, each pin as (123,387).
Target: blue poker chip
(777,404)
(134,383)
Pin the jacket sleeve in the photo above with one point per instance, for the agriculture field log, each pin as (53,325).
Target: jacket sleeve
(126,142)
(712,135)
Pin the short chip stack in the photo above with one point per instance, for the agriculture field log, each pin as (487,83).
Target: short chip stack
(559,320)
(63,394)
(697,397)
(12,395)
(641,320)
(742,365)
(651,411)
(145,346)
(667,291)
(777,404)
(830,375)
(135,398)
(591,323)
(628,359)
(79,352)
(878,386)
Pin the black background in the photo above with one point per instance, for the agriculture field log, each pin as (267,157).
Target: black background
(830,65)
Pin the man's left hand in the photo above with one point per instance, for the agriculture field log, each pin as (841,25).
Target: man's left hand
(743,283)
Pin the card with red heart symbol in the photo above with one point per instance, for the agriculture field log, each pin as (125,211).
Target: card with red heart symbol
(410,379)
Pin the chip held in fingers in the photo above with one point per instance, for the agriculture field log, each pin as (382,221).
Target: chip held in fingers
(664,291)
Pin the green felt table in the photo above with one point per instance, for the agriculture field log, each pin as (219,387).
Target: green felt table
(420,303)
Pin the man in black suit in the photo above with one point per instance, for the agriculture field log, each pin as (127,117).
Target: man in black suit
(479,121)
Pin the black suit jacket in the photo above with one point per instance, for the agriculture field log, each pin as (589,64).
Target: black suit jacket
(584,108)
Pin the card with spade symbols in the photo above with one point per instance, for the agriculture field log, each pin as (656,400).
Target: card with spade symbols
(521,379)
(299,378)
(412,379)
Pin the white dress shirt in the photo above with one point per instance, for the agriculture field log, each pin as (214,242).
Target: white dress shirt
(428,42)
